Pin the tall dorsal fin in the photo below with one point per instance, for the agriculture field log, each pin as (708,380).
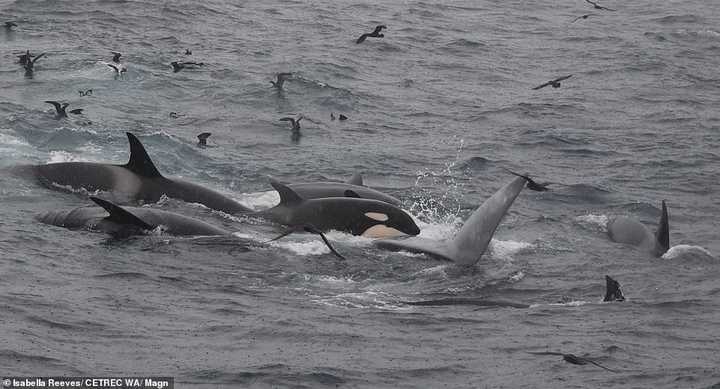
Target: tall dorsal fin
(663,232)
(612,290)
(287,195)
(356,179)
(120,215)
(140,162)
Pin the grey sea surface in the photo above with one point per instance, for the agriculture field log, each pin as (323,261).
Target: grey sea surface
(437,109)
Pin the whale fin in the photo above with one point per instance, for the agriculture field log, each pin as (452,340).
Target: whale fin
(351,193)
(140,162)
(474,236)
(287,195)
(612,290)
(120,215)
(663,232)
(356,179)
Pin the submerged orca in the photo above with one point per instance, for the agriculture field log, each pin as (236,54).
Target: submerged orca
(353,188)
(358,216)
(136,180)
(474,236)
(626,230)
(126,221)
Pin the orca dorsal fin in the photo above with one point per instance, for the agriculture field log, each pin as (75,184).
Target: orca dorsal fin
(287,195)
(356,179)
(662,235)
(351,193)
(612,290)
(120,215)
(140,162)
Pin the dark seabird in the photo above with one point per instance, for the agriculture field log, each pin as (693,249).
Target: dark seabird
(342,117)
(332,116)
(295,124)
(10,25)
(281,78)
(582,17)
(119,69)
(597,6)
(574,359)
(612,290)
(61,113)
(86,92)
(202,139)
(555,83)
(311,229)
(176,115)
(23,59)
(116,56)
(30,64)
(188,52)
(375,34)
(532,185)
(178,66)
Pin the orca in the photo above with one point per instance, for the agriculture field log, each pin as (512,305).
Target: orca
(353,188)
(626,230)
(612,290)
(122,221)
(357,216)
(469,244)
(137,180)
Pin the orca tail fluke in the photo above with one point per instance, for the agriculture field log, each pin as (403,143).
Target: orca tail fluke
(663,232)
(612,290)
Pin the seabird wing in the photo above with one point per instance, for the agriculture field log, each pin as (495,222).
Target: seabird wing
(545,353)
(542,86)
(599,365)
(563,78)
(378,29)
(114,67)
(608,9)
(591,2)
(56,105)
(37,58)
(204,135)
(362,38)
(77,111)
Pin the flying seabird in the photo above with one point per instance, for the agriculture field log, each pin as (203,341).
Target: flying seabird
(532,185)
(178,66)
(87,92)
(202,139)
(582,17)
(116,56)
(61,113)
(342,117)
(597,6)
(10,25)
(281,78)
(188,52)
(30,63)
(375,34)
(23,59)
(574,359)
(555,83)
(295,124)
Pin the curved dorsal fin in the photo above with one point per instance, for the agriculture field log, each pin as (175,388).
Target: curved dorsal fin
(356,179)
(120,215)
(351,193)
(663,232)
(287,195)
(140,162)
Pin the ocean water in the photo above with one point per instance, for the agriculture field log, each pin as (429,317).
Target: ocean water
(437,109)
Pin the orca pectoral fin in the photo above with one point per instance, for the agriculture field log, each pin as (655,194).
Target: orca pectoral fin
(433,248)
(287,195)
(120,215)
(140,162)
(662,236)
(356,179)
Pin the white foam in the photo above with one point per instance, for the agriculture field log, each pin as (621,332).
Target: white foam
(9,140)
(597,221)
(317,247)
(261,200)
(507,248)
(366,299)
(64,156)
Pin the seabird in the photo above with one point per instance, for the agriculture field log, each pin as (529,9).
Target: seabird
(116,56)
(375,34)
(582,17)
(281,78)
(555,83)
(119,68)
(332,116)
(202,139)
(188,52)
(178,66)
(61,113)
(574,359)
(295,124)
(86,92)
(30,63)
(342,117)
(532,185)
(23,59)
(10,25)
(597,6)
